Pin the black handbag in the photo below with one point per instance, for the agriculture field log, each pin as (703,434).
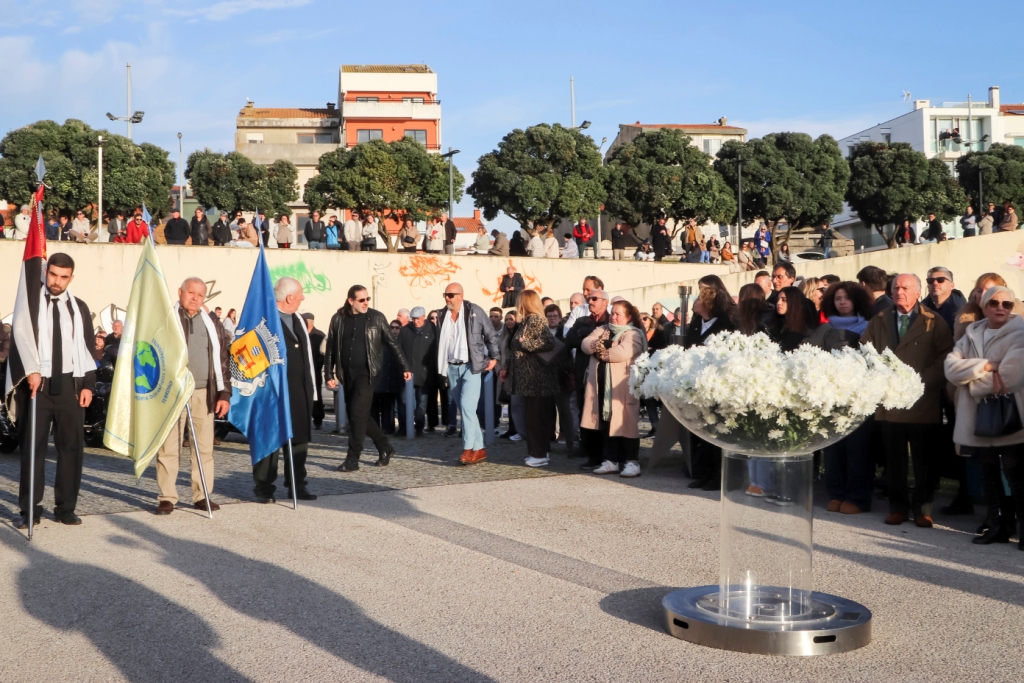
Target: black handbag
(997,415)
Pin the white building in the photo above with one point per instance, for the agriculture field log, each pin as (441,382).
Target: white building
(704,136)
(980,124)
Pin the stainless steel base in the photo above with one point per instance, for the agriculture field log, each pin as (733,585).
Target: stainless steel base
(830,625)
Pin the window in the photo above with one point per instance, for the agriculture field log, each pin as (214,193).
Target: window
(413,100)
(367,99)
(254,138)
(314,138)
(419,136)
(1019,142)
(711,146)
(887,138)
(367,135)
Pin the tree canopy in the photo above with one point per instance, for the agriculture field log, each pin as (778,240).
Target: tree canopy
(132,174)
(890,183)
(539,176)
(1003,180)
(787,177)
(233,182)
(400,180)
(661,174)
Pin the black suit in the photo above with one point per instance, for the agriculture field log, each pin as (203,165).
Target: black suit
(316,339)
(706,458)
(301,394)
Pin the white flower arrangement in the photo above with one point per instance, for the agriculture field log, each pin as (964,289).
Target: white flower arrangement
(743,390)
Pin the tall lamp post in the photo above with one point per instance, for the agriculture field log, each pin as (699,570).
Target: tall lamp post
(597,247)
(739,202)
(130,117)
(181,179)
(99,192)
(451,182)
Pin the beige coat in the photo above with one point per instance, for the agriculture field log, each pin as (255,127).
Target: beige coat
(964,368)
(284,233)
(625,406)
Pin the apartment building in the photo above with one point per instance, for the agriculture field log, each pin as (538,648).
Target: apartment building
(708,137)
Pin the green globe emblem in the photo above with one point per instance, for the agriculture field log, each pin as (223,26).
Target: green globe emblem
(147,369)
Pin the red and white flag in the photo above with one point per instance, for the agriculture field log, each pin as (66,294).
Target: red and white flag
(24,357)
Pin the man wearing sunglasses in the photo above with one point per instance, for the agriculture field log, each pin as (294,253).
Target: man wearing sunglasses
(467,346)
(943,297)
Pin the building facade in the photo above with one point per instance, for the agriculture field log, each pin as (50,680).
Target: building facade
(708,137)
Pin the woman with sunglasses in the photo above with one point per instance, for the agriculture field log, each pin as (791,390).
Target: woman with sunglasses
(80,229)
(989,360)
(971,311)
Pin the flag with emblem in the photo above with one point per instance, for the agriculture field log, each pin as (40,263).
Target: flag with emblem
(152,383)
(259,381)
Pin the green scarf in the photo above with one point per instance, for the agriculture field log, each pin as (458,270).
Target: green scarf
(606,399)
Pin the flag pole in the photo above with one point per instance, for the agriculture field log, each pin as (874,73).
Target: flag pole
(32,470)
(291,472)
(199,461)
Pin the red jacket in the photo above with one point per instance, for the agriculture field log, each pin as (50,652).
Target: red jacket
(137,231)
(582,231)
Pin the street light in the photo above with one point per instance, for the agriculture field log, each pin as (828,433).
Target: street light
(582,126)
(129,116)
(99,193)
(451,182)
(181,179)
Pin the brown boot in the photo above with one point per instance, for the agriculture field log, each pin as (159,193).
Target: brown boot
(473,457)
(848,508)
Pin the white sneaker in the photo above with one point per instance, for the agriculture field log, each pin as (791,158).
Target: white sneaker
(607,467)
(632,469)
(538,462)
(515,437)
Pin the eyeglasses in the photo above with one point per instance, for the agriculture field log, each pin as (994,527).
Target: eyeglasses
(362,301)
(933,280)
(1007,305)
(452,295)
(595,298)
(396,327)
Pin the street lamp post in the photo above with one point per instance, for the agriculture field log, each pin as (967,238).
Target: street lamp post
(597,246)
(99,191)
(129,117)
(739,203)
(451,180)
(181,178)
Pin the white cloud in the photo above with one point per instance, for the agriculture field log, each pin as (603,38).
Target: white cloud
(72,30)
(228,8)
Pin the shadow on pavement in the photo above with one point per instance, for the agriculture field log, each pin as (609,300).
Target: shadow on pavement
(641,606)
(323,618)
(145,635)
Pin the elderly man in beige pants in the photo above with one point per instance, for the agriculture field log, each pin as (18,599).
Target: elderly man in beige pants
(208,363)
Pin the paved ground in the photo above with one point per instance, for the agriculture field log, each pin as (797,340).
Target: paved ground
(440,573)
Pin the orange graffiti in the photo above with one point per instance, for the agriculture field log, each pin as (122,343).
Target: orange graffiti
(497,295)
(426,270)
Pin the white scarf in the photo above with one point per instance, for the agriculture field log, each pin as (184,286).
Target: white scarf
(82,360)
(453,332)
(211,332)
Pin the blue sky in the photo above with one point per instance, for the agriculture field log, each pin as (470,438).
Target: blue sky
(806,66)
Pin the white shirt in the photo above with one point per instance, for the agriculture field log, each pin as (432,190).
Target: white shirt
(67,331)
(21,226)
(536,247)
(551,247)
(706,325)
(353,230)
(452,346)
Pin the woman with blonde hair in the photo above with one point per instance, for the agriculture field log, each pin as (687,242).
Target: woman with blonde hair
(529,376)
(971,311)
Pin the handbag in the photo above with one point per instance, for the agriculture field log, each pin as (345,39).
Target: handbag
(997,415)
(550,357)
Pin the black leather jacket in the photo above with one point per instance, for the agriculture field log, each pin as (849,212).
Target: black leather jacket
(378,333)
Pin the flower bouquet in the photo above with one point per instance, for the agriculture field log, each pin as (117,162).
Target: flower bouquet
(744,394)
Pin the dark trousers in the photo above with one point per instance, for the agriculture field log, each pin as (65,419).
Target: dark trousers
(264,473)
(898,437)
(599,446)
(382,411)
(540,423)
(995,495)
(705,460)
(566,428)
(358,398)
(437,397)
(68,419)
(850,468)
(419,408)
(318,409)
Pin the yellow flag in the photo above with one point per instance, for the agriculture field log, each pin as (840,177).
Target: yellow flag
(152,383)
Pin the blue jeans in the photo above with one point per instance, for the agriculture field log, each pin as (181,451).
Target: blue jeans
(828,251)
(850,468)
(464,388)
(419,409)
(705,257)
(316,245)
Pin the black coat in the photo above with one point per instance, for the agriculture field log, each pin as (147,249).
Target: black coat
(391,380)
(221,233)
(316,338)
(176,231)
(905,236)
(510,299)
(694,336)
(517,245)
(378,333)
(449,232)
(661,240)
(315,232)
(419,346)
(300,383)
(200,231)
(582,329)
(623,239)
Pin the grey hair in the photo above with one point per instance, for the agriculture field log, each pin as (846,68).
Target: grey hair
(403,310)
(941,269)
(992,291)
(24,207)
(286,286)
(916,278)
(187,280)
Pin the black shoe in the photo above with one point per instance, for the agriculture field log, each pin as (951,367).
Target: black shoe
(349,466)
(317,426)
(961,505)
(574,453)
(452,431)
(507,435)
(697,484)
(429,430)
(23,521)
(384,459)
(650,434)
(712,484)
(69,518)
(264,500)
(302,494)
(997,533)
(590,465)
(336,432)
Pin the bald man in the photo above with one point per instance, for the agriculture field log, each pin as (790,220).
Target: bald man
(208,363)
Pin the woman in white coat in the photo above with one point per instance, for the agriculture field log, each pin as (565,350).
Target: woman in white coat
(989,357)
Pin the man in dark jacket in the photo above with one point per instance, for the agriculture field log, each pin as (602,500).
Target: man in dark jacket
(418,341)
(517,245)
(661,240)
(943,297)
(512,285)
(176,230)
(355,360)
(875,280)
(622,239)
(199,229)
(208,362)
(449,234)
(221,232)
(316,340)
(264,226)
(316,231)
(597,301)
(303,392)
(934,231)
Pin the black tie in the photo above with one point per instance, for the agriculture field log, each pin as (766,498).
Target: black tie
(57,364)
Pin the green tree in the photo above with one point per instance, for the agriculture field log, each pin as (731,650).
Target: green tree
(889,183)
(660,174)
(539,176)
(234,182)
(397,180)
(786,177)
(132,174)
(1002,175)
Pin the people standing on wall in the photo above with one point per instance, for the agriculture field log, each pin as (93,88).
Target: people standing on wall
(22,221)
(314,232)
(81,230)
(220,232)
(622,239)
(1009,220)
(353,231)
(370,231)
(117,227)
(199,229)
(137,229)
(449,234)
(968,222)
(332,233)
(408,236)
(583,234)
(828,235)
(317,341)
(435,236)
(661,240)
(284,234)
(176,230)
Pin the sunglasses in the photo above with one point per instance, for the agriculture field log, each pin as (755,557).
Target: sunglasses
(452,295)
(933,280)
(595,298)
(396,327)
(1006,305)
(362,301)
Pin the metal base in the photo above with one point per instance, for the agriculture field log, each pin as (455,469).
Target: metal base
(829,624)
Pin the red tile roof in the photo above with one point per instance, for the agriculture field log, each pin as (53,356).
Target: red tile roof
(1012,109)
(690,126)
(287,113)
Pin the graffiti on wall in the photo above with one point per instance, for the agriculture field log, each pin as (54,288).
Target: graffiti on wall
(426,270)
(496,295)
(313,281)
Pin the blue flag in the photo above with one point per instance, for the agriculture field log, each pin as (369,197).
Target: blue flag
(259,378)
(147,219)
